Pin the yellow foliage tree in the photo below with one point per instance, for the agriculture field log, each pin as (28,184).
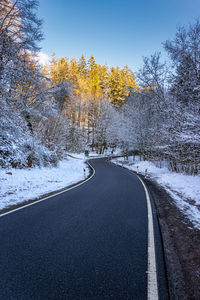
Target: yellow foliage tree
(91,80)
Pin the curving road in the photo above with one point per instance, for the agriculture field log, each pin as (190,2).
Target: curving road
(87,243)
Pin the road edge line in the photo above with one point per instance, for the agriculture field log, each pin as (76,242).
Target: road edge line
(152,293)
(56,194)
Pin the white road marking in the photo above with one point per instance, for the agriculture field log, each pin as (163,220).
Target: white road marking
(43,199)
(152,292)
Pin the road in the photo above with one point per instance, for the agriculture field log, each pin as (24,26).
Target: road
(87,243)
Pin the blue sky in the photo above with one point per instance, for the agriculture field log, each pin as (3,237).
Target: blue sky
(116,32)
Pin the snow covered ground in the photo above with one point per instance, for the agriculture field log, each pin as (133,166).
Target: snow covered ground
(184,189)
(95,155)
(18,185)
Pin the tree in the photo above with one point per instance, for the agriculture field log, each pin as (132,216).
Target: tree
(184,51)
(24,93)
(120,84)
(82,65)
(20,32)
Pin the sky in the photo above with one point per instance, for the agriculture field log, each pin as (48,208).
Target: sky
(116,32)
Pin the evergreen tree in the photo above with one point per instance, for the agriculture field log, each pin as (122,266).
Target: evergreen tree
(82,65)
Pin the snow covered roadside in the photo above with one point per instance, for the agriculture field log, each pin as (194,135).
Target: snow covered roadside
(184,189)
(19,185)
(107,153)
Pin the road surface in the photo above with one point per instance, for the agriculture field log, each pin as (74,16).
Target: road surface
(87,243)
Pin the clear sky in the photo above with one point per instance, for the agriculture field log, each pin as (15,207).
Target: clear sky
(116,32)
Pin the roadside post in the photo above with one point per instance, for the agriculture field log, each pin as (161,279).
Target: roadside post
(86,153)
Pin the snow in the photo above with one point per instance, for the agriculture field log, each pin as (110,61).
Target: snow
(184,189)
(93,154)
(43,58)
(19,185)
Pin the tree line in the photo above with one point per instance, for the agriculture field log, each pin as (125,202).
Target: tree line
(165,117)
(74,104)
(91,80)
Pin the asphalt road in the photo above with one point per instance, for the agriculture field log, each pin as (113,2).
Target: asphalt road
(87,243)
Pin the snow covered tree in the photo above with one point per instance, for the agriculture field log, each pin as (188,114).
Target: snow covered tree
(106,133)
(21,85)
(20,32)
(184,51)
(151,104)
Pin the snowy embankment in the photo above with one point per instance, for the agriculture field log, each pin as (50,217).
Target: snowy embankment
(19,185)
(184,189)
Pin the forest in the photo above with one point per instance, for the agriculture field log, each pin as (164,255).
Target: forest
(75,104)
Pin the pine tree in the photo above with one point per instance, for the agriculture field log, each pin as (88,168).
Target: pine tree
(93,79)
(82,65)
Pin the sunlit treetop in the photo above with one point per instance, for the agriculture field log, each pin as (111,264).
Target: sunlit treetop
(92,80)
